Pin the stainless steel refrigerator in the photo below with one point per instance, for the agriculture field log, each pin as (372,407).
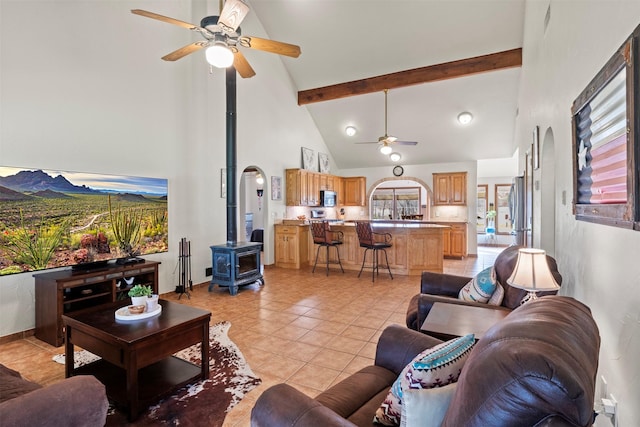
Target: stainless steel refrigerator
(517,210)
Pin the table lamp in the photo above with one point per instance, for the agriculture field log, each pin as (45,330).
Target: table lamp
(532,273)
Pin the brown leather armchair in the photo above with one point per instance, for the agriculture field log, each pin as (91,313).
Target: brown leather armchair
(537,367)
(438,287)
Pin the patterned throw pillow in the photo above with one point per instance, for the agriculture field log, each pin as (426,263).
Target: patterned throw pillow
(426,407)
(481,287)
(434,367)
(498,295)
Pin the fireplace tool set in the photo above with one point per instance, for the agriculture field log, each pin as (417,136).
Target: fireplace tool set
(184,269)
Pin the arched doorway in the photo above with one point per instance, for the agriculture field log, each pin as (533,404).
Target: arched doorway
(548,194)
(252,206)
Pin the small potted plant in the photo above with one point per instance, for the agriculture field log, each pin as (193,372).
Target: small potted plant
(139,294)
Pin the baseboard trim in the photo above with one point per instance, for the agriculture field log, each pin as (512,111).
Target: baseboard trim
(17,336)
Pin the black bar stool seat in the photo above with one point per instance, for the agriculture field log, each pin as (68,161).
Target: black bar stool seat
(376,242)
(325,238)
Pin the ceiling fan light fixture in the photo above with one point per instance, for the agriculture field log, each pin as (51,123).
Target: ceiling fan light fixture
(350,130)
(465,118)
(395,157)
(385,149)
(219,55)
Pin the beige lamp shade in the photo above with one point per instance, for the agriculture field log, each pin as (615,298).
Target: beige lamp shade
(532,272)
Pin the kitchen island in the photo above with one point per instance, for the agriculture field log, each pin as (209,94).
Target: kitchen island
(417,246)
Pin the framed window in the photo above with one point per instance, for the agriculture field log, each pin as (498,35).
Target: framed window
(481,208)
(605,146)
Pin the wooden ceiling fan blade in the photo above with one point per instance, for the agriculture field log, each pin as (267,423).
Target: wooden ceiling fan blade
(271,46)
(232,15)
(406,142)
(164,19)
(241,65)
(184,51)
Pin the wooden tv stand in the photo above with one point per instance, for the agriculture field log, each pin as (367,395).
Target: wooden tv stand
(67,291)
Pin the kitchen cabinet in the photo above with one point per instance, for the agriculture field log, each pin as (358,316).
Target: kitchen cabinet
(414,249)
(303,188)
(338,187)
(450,188)
(454,240)
(292,245)
(355,189)
(324,181)
(313,189)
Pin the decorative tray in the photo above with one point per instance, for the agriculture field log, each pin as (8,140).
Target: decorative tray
(123,314)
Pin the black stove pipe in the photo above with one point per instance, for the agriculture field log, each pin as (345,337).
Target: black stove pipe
(232,206)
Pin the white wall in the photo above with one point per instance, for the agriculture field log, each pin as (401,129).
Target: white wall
(599,264)
(83,88)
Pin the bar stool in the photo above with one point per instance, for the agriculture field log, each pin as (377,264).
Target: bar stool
(490,235)
(324,237)
(376,242)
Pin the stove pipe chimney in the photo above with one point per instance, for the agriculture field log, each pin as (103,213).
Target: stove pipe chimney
(232,205)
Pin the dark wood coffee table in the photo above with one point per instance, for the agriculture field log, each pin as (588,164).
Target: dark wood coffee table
(447,321)
(137,366)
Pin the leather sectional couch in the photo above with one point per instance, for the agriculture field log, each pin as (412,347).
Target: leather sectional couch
(439,287)
(76,401)
(537,367)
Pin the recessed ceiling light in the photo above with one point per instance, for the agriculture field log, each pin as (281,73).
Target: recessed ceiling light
(395,157)
(350,130)
(465,118)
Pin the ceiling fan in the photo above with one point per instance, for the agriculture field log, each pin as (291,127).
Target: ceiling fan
(222,38)
(386,141)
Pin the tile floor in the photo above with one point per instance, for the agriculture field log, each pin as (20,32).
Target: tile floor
(305,329)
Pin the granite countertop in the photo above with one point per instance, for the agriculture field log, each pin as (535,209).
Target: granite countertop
(462,221)
(389,224)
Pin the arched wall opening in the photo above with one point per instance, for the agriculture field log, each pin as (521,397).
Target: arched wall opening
(391,182)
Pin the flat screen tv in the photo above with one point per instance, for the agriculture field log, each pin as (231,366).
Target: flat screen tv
(52,219)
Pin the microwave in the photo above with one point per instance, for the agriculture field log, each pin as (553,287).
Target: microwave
(327,198)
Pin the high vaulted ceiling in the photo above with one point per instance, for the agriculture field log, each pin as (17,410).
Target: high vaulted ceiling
(349,40)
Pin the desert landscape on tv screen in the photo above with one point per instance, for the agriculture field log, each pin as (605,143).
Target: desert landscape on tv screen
(54,218)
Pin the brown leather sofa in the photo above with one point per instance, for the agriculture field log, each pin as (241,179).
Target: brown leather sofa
(439,287)
(76,401)
(537,367)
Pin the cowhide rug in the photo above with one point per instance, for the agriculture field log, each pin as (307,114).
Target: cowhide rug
(204,403)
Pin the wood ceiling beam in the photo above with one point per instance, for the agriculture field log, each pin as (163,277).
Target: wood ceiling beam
(432,73)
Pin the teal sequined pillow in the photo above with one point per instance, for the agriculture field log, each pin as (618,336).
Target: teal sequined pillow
(481,287)
(434,367)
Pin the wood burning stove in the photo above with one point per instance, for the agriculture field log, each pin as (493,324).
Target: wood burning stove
(234,266)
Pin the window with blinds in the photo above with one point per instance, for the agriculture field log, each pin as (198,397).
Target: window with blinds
(604,143)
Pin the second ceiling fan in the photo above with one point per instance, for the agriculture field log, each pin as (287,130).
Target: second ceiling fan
(386,141)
